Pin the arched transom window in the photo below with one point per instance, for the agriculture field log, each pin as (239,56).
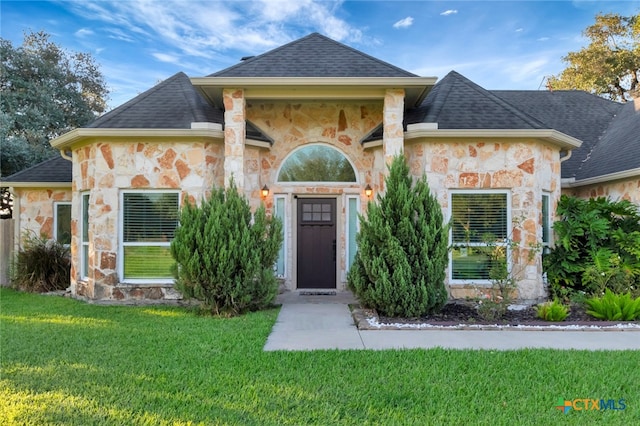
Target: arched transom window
(317,163)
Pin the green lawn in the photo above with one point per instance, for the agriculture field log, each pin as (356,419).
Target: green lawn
(67,362)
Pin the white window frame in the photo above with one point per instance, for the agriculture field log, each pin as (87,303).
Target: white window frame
(122,244)
(84,226)
(546,222)
(349,230)
(282,215)
(56,220)
(505,244)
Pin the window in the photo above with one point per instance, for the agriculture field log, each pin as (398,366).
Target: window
(62,223)
(352,229)
(546,222)
(317,163)
(281,214)
(149,220)
(479,232)
(84,240)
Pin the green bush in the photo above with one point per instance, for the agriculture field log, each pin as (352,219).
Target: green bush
(597,247)
(553,311)
(614,307)
(224,256)
(399,268)
(41,265)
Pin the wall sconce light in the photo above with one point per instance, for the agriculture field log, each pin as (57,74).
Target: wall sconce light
(368,191)
(265,191)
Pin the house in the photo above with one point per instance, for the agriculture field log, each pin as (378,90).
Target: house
(307,129)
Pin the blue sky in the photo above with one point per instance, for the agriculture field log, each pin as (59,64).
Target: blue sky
(497,44)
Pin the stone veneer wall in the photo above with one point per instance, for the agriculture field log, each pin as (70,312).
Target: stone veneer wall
(525,167)
(623,189)
(36,210)
(104,168)
(294,124)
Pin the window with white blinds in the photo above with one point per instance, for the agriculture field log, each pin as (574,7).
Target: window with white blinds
(149,221)
(479,225)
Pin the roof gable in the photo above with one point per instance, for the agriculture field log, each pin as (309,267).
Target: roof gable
(172,104)
(313,56)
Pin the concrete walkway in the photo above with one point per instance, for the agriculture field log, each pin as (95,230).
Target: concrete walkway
(311,322)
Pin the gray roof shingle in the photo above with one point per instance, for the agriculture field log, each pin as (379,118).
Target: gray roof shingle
(172,104)
(456,102)
(56,169)
(619,147)
(313,56)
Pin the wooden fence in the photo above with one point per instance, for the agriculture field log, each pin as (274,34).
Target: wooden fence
(6,249)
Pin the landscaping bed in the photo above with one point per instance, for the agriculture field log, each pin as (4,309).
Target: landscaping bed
(465,315)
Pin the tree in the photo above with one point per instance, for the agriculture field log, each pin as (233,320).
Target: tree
(224,257)
(610,65)
(399,268)
(45,91)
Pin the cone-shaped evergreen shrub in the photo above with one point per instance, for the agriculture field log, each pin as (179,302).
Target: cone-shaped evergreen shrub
(223,257)
(399,268)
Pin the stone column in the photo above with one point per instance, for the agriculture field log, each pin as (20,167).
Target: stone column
(234,136)
(393,115)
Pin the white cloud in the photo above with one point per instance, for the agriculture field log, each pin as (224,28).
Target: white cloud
(404,23)
(449,12)
(519,30)
(543,39)
(83,32)
(164,57)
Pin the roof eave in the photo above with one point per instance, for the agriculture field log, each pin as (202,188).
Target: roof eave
(36,184)
(415,131)
(68,140)
(416,88)
(625,174)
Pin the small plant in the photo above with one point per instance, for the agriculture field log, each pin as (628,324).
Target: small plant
(614,307)
(553,311)
(41,265)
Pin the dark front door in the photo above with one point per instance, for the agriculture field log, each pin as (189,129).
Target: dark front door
(316,243)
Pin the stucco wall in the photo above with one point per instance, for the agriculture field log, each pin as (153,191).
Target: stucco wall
(104,168)
(623,189)
(525,168)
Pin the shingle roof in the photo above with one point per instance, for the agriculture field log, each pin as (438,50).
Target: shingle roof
(573,112)
(172,104)
(313,56)
(456,102)
(56,169)
(619,147)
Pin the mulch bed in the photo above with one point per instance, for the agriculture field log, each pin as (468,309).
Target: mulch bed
(461,313)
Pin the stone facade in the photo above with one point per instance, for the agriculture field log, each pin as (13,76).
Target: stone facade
(622,189)
(526,168)
(103,169)
(36,210)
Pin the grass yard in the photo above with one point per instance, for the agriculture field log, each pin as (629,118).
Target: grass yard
(67,362)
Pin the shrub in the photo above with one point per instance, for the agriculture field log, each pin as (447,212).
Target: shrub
(614,307)
(41,265)
(224,257)
(597,247)
(552,311)
(399,268)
